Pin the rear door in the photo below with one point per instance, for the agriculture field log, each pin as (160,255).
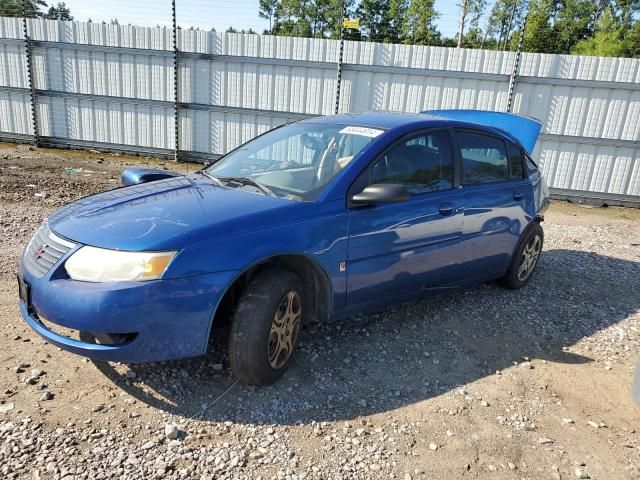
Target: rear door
(495,192)
(401,248)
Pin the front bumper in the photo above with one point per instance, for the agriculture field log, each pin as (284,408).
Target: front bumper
(160,320)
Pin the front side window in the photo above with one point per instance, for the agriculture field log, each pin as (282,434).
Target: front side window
(484,158)
(422,164)
(295,161)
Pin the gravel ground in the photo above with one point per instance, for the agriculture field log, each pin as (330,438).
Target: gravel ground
(480,383)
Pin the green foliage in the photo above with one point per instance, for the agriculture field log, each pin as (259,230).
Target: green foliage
(374,19)
(611,39)
(471,12)
(267,10)
(504,21)
(59,12)
(573,23)
(633,41)
(602,27)
(419,28)
(397,19)
(17,8)
(539,35)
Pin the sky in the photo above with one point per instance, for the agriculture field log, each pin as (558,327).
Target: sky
(242,14)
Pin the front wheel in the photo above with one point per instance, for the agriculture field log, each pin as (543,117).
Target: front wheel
(265,327)
(525,259)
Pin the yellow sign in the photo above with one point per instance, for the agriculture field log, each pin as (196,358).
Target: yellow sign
(349,23)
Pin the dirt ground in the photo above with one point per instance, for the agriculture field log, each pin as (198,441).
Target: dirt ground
(479,383)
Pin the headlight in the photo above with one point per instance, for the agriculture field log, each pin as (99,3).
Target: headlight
(91,264)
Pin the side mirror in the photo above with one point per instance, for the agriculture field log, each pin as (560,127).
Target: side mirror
(381,193)
(136,175)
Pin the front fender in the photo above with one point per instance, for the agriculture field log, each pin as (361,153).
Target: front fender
(323,240)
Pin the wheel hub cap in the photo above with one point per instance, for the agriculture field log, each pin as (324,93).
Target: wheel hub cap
(284,329)
(530,256)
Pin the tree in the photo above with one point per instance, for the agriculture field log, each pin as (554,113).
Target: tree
(18,8)
(608,41)
(397,19)
(59,12)
(505,17)
(539,34)
(319,14)
(292,19)
(267,10)
(470,13)
(374,19)
(633,40)
(309,18)
(572,23)
(419,26)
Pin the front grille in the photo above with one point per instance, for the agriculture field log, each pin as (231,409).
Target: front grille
(45,250)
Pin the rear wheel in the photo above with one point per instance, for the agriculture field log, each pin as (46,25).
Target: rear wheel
(525,259)
(265,327)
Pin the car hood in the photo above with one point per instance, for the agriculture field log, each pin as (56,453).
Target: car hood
(168,214)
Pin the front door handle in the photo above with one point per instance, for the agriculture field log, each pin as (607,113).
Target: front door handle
(446,208)
(517,195)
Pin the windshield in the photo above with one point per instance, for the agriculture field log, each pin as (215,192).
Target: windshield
(295,161)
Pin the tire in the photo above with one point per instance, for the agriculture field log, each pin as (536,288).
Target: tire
(527,252)
(265,327)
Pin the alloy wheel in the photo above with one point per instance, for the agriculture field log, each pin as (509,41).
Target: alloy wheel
(284,329)
(530,256)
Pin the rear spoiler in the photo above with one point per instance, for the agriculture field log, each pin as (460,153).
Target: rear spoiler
(520,127)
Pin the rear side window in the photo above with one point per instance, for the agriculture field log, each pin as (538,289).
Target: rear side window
(515,162)
(484,158)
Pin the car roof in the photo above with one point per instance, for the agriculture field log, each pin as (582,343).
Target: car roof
(403,121)
(384,120)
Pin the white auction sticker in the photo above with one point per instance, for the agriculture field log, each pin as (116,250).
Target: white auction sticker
(362,131)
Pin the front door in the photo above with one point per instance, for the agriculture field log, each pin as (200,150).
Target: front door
(402,248)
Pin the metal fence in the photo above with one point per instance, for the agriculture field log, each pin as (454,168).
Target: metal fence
(116,87)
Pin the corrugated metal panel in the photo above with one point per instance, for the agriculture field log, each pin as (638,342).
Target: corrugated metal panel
(15,114)
(107,122)
(587,167)
(78,70)
(94,33)
(215,132)
(11,27)
(429,58)
(13,65)
(234,86)
(257,86)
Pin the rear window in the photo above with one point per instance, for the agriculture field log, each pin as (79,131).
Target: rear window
(484,158)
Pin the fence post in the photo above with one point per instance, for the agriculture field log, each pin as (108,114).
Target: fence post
(340,57)
(32,90)
(176,114)
(516,67)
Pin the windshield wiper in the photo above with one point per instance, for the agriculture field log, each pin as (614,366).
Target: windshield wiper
(249,181)
(209,176)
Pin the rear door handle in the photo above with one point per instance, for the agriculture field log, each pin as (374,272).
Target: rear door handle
(517,195)
(446,208)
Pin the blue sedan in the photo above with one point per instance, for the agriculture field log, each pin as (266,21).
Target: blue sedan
(316,220)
